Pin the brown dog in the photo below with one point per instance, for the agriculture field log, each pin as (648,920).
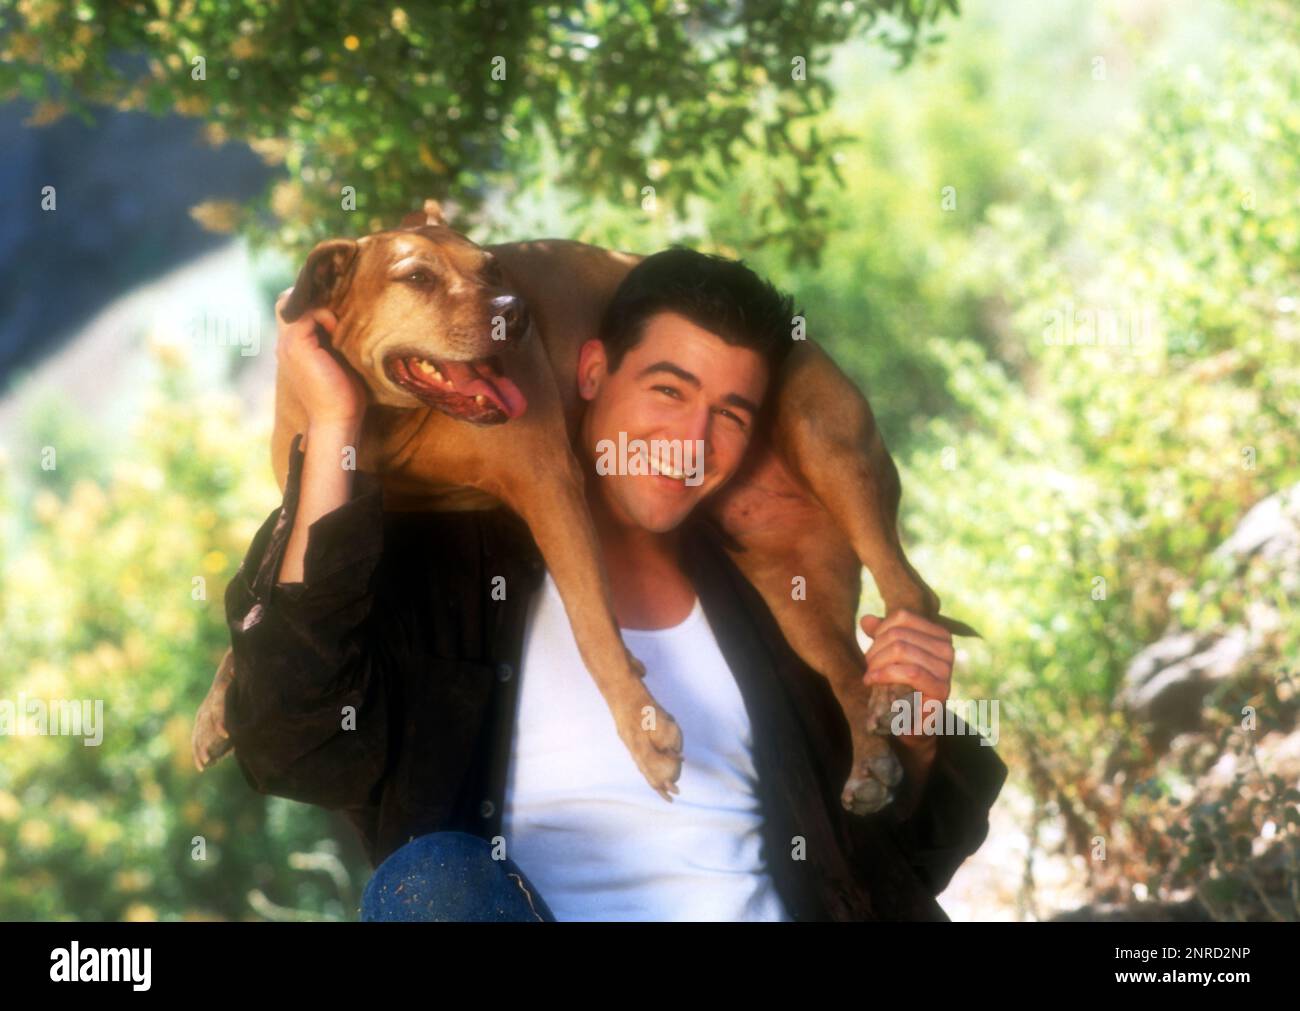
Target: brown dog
(470,357)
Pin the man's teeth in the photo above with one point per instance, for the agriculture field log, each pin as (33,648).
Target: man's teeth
(657,466)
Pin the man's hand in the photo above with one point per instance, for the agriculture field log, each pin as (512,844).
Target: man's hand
(909,650)
(334,399)
(331,394)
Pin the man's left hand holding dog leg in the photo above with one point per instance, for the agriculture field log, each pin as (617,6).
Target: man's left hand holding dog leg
(909,650)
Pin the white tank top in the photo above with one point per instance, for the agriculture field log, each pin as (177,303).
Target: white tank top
(583,824)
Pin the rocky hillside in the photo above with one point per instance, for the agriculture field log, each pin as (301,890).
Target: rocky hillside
(123,187)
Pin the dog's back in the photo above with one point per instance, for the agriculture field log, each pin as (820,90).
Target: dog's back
(567,286)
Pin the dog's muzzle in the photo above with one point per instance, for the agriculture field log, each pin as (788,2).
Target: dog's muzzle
(513,312)
(476,391)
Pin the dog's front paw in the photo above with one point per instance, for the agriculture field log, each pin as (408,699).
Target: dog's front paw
(654,739)
(876,771)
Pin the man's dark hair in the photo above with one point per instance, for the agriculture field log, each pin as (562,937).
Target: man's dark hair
(723,296)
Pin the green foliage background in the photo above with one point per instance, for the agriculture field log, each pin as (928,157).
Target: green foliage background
(1004,179)
(471,97)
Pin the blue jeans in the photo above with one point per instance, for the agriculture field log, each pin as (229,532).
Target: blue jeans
(451,877)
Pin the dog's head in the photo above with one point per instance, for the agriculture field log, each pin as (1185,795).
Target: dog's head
(425,316)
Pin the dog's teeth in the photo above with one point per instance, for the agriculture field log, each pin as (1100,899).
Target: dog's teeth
(425,367)
(480,399)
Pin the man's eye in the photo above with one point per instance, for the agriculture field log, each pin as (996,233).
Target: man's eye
(734,417)
(670,390)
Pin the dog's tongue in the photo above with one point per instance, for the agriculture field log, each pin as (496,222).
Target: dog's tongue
(470,381)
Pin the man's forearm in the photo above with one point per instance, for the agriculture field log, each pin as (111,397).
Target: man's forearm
(917,760)
(326,485)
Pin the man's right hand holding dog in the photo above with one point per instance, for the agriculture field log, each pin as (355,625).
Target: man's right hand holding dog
(335,403)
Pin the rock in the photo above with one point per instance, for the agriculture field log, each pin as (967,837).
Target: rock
(1271,528)
(1166,683)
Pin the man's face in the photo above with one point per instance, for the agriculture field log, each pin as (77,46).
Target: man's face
(679,384)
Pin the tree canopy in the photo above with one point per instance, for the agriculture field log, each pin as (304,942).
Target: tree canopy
(373,107)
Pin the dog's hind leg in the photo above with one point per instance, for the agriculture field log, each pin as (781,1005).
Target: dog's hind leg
(825,446)
(825,432)
(209,740)
(818,624)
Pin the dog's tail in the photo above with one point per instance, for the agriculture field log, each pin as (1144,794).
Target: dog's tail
(932,605)
(956,627)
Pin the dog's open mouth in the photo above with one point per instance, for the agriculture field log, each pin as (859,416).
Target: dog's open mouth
(477,391)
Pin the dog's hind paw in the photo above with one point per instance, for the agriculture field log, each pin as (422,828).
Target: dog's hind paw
(207,752)
(209,740)
(876,771)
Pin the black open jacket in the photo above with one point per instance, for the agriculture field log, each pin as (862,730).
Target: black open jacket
(385,683)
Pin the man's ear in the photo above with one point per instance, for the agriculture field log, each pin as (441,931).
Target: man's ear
(430,214)
(324,278)
(592,366)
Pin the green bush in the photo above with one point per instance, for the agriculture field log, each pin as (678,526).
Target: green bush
(1079,493)
(114,592)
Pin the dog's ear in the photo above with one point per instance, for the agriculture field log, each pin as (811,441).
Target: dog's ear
(323,278)
(431,214)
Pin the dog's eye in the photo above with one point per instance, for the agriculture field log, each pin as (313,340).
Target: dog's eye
(419,277)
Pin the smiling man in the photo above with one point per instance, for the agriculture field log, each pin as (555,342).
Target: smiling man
(481,766)
(662,379)
(683,363)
